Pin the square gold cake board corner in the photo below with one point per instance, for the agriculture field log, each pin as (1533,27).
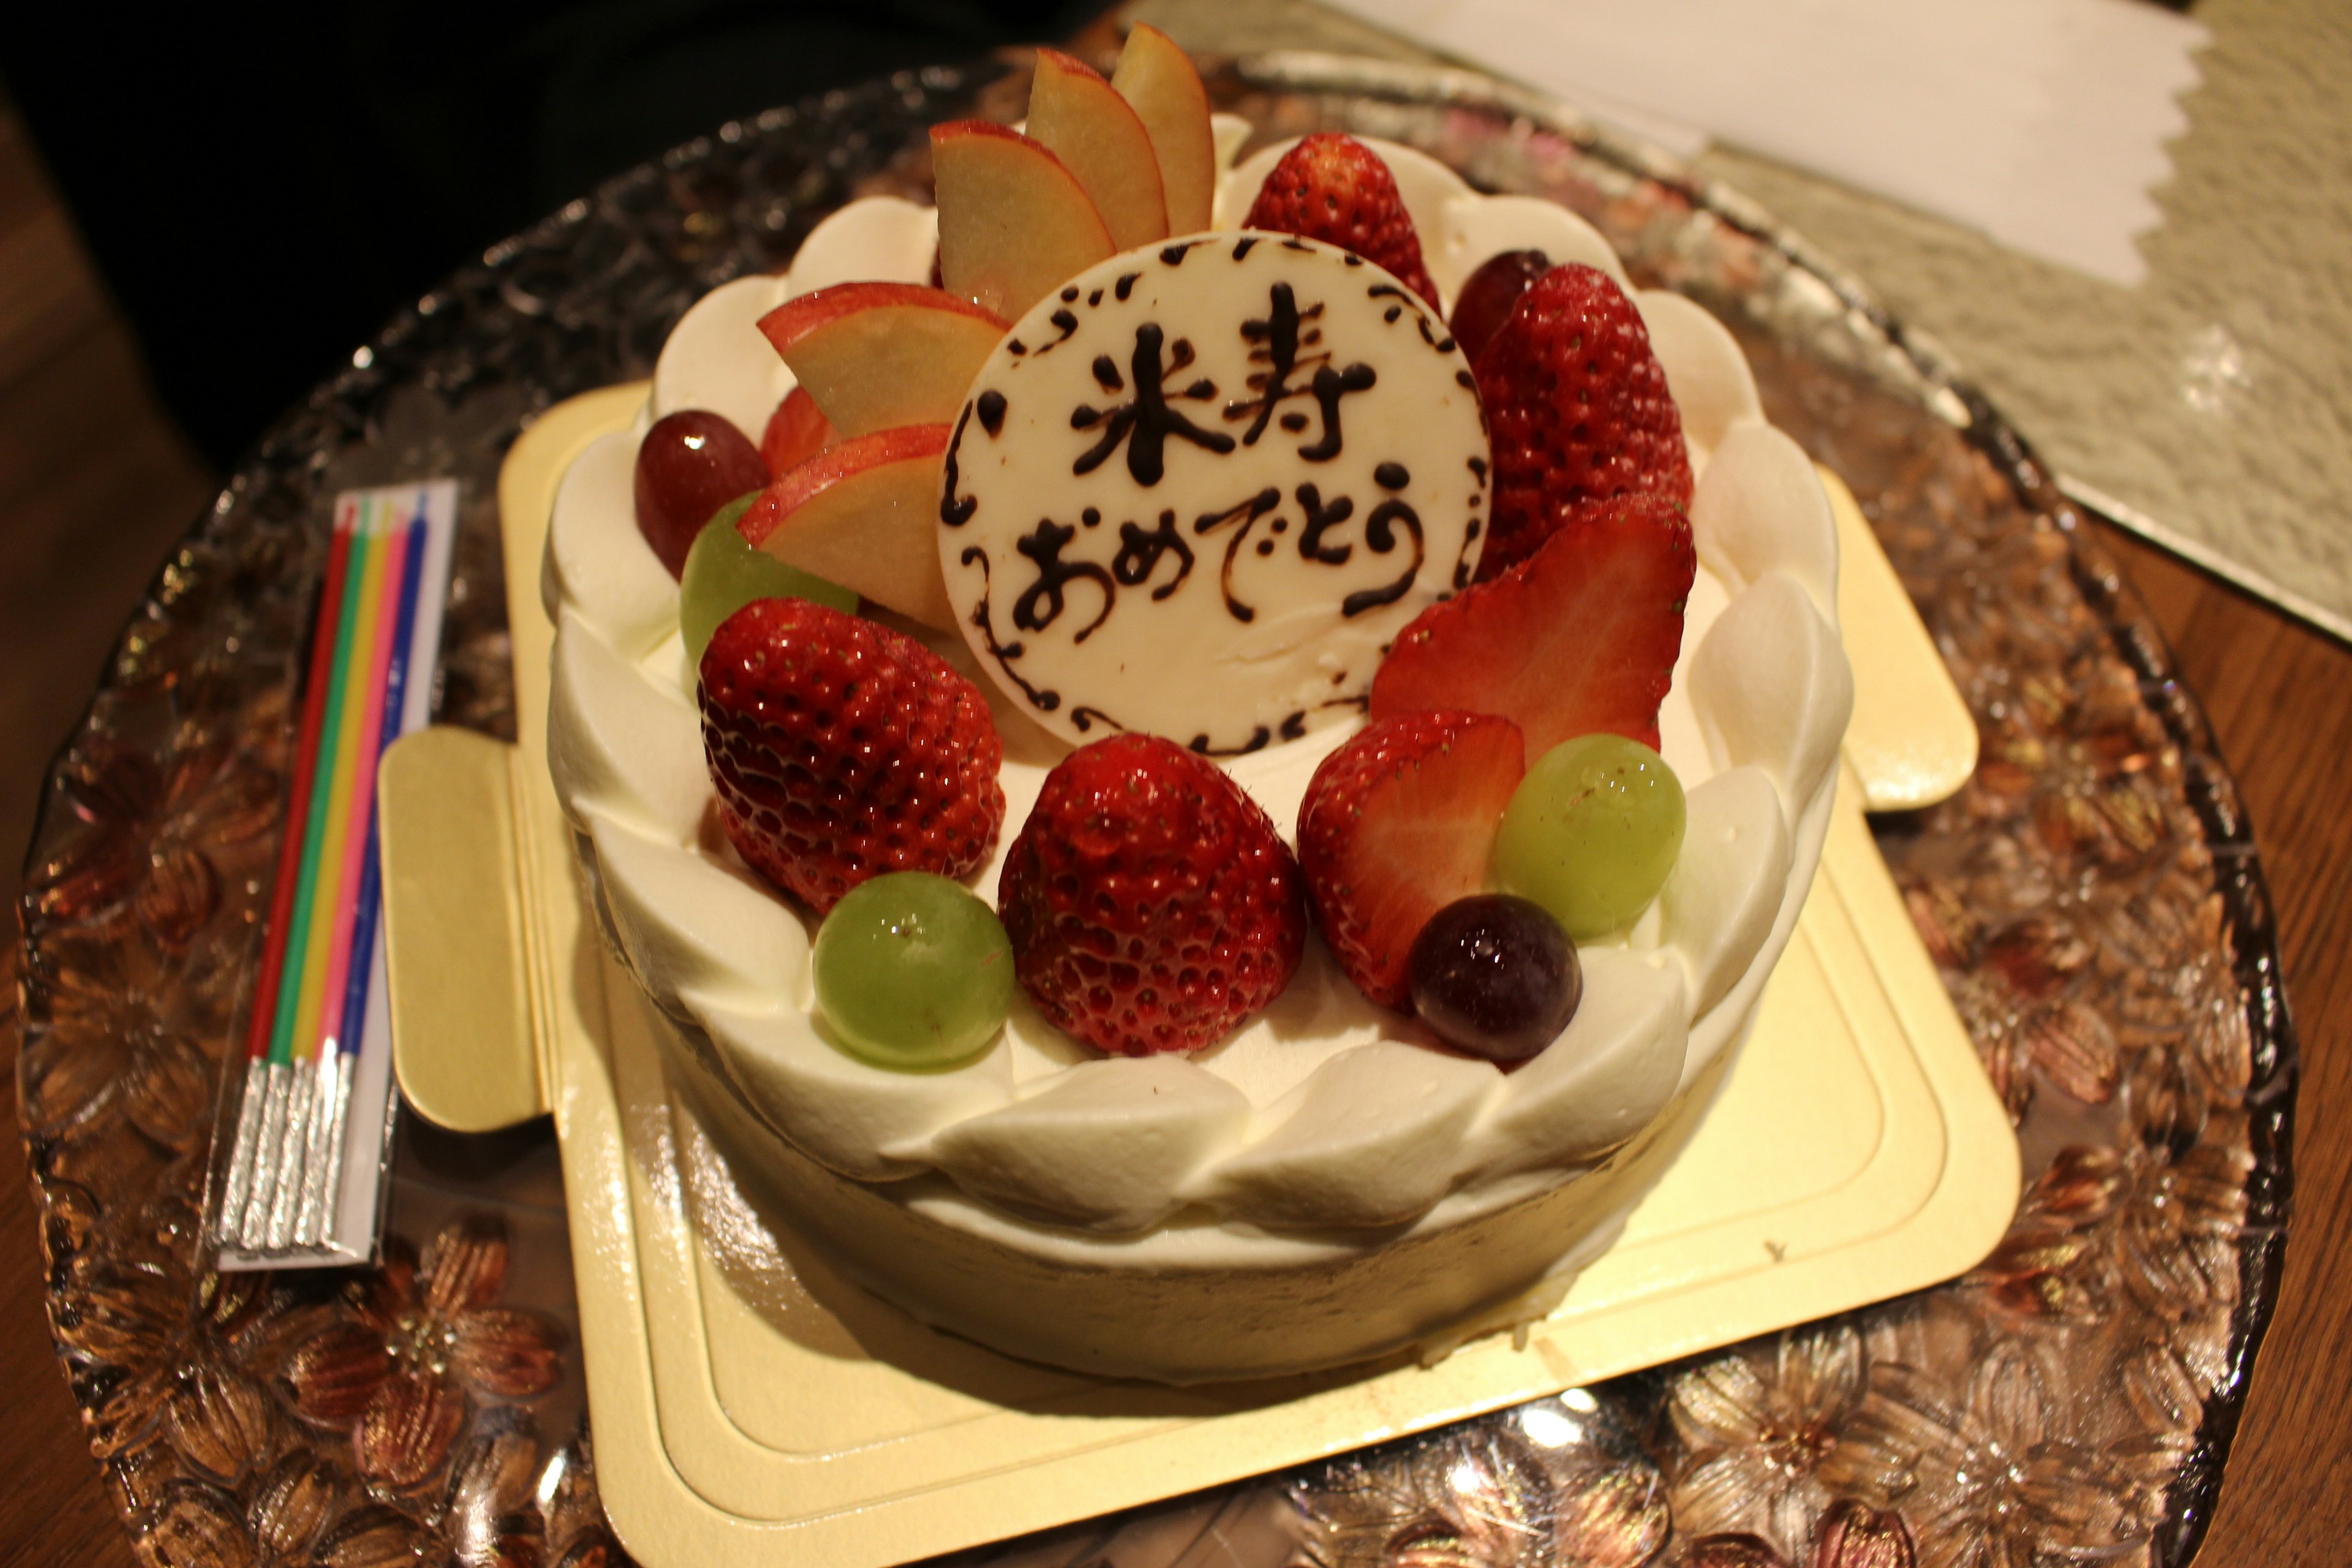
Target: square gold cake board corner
(745,1405)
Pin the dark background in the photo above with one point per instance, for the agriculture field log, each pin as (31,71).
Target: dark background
(261,188)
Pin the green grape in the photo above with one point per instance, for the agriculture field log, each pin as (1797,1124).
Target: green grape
(913,972)
(1591,833)
(723,574)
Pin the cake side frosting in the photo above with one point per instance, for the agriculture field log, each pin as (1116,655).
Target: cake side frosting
(1324,1112)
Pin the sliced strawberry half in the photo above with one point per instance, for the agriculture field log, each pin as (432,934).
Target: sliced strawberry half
(1396,825)
(1579,638)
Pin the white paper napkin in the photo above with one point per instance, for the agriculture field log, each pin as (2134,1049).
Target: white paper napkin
(2042,123)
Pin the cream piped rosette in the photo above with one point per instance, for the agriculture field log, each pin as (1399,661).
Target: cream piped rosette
(1324,1114)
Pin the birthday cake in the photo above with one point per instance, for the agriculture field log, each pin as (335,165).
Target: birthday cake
(1204,542)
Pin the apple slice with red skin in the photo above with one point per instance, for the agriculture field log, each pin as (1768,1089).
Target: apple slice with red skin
(1158,83)
(1014,222)
(877,356)
(864,514)
(1081,119)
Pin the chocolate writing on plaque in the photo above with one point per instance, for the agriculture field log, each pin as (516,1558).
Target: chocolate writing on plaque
(1145,421)
(1207,512)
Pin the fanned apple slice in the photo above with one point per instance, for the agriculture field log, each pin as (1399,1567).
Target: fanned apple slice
(1080,119)
(1158,83)
(875,356)
(864,514)
(1014,222)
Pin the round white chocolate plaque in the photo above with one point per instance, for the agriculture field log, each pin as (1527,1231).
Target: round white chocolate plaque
(1200,490)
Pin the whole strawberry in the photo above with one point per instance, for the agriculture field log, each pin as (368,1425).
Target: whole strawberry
(1578,409)
(1333,188)
(1150,904)
(842,749)
(1396,825)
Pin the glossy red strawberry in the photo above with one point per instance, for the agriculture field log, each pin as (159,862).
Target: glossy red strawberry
(842,749)
(1576,407)
(1396,825)
(1581,637)
(1333,188)
(1151,905)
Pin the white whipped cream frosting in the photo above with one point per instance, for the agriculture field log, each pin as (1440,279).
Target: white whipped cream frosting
(1324,1113)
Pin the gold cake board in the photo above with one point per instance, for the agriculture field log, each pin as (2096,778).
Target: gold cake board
(746,1405)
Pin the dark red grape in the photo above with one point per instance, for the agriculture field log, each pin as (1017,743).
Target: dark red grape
(1487,298)
(692,463)
(1496,976)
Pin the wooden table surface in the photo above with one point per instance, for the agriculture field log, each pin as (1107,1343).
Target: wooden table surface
(2280,699)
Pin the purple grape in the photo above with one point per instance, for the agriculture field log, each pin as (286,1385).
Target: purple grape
(1490,296)
(1496,976)
(692,463)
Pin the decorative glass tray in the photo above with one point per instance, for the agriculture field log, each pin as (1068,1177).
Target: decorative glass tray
(2091,899)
